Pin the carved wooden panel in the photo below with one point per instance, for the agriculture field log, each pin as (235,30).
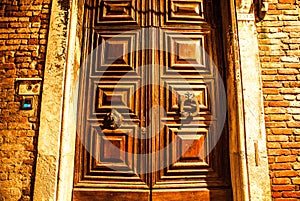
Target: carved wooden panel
(183,12)
(115,53)
(122,96)
(188,52)
(188,150)
(117,12)
(105,95)
(203,91)
(112,157)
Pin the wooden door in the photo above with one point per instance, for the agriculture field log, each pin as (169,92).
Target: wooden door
(150,96)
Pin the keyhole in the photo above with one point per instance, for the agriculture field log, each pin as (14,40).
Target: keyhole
(29,87)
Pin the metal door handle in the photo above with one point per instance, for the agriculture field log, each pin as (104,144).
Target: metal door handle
(112,120)
(191,98)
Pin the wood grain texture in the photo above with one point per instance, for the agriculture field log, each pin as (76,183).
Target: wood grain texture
(106,195)
(196,195)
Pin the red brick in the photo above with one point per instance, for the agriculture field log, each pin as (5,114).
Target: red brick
(281,166)
(285,77)
(294,84)
(291,145)
(290,91)
(281,159)
(293,124)
(33,42)
(285,6)
(270,91)
(269,72)
(274,110)
(278,138)
(288,71)
(296,181)
(278,152)
(271,159)
(279,104)
(35,19)
(283,187)
(280,117)
(273,97)
(276,194)
(286,173)
(281,181)
(273,145)
(291,194)
(285,199)
(272,84)
(286,1)
(275,124)
(12,8)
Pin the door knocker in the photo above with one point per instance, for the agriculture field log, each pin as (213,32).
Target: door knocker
(192,100)
(112,120)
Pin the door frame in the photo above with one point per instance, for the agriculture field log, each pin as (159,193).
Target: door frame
(57,131)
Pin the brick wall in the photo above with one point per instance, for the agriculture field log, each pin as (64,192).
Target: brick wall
(23,38)
(279,45)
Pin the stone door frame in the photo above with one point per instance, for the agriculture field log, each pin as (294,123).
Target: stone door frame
(57,132)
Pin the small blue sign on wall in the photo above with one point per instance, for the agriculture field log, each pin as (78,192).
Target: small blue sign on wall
(26,104)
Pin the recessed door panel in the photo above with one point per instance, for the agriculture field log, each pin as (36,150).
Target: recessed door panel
(117,12)
(188,52)
(177,89)
(115,53)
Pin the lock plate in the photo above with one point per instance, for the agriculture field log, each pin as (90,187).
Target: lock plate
(29,86)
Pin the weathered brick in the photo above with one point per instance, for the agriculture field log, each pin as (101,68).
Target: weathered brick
(285,199)
(283,187)
(286,1)
(285,6)
(286,173)
(295,194)
(270,91)
(293,110)
(278,138)
(289,97)
(19,24)
(282,131)
(272,84)
(296,166)
(279,103)
(290,145)
(281,117)
(281,159)
(35,19)
(285,71)
(288,18)
(296,180)
(275,124)
(273,145)
(19,36)
(290,91)
(290,12)
(290,41)
(278,152)
(274,97)
(274,110)
(281,181)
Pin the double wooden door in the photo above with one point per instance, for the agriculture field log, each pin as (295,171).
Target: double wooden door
(151,108)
